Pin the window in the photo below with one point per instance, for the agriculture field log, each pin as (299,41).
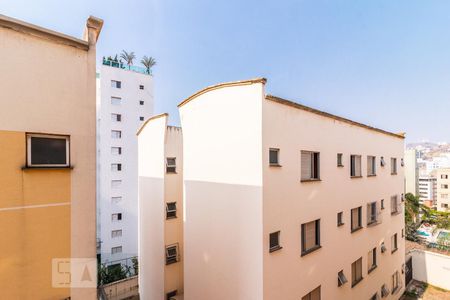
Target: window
(374,297)
(371,166)
(116,84)
(273,157)
(339,160)
(116,217)
(395,209)
(116,233)
(356,219)
(171,210)
(116,183)
(372,260)
(313,295)
(372,213)
(141,87)
(171,294)
(171,165)
(116,117)
(444,176)
(393,166)
(116,150)
(394,246)
(341,278)
(172,254)
(403,232)
(395,282)
(402,162)
(384,291)
(141,102)
(274,241)
(141,118)
(340,218)
(115,250)
(310,164)
(116,167)
(444,196)
(116,100)
(116,134)
(444,205)
(355,165)
(357,272)
(310,237)
(382,163)
(444,186)
(47,150)
(116,199)
(382,203)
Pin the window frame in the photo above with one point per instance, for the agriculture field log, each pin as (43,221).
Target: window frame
(169,210)
(117,84)
(353,166)
(29,163)
(309,295)
(374,265)
(315,166)
(277,163)
(317,244)
(171,259)
(372,162)
(174,166)
(116,235)
(116,252)
(341,278)
(340,219)
(396,281)
(355,280)
(277,246)
(394,168)
(360,226)
(339,159)
(394,243)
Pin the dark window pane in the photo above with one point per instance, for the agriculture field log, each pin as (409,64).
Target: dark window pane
(48,151)
(273,156)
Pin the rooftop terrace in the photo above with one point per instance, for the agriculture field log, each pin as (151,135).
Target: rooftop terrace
(121,65)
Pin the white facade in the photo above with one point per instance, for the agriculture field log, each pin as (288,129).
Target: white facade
(427,189)
(124,101)
(236,201)
(160,210)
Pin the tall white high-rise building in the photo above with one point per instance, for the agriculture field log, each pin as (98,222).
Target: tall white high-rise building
(124,101)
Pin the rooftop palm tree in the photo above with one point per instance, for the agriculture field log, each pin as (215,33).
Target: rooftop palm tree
(128,57)
(148,62)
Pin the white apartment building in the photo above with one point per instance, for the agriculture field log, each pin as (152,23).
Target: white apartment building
(124,101)
(160,210)
(411,172)
(283,201)
(428,190)
(443,191)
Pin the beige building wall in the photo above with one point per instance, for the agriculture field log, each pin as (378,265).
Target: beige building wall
(411,172)
(443,190)
(48,82)
(157,142)
(288,203)
(234,200)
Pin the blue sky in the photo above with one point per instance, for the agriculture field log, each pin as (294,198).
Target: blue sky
(385,63)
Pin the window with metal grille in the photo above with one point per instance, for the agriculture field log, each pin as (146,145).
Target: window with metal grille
(171,166)
(171,254)
(171,210)
(274,157)
(310,165)
(274,241)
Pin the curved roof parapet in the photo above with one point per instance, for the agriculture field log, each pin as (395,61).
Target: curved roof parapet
(222,85)
(328,115)
(149,119)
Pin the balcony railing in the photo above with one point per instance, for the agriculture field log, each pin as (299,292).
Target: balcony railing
(121,65)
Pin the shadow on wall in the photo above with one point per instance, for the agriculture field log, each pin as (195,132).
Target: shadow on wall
(223,229)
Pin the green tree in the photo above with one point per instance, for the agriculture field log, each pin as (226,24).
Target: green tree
(148,62)
(128,57)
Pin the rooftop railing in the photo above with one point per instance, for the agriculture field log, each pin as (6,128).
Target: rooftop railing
(121,65)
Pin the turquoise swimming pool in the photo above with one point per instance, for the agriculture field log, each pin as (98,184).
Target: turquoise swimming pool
(443,235)
(423,233)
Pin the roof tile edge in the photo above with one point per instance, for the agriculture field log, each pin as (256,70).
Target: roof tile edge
(222,85)
(150,119)
(328,115)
